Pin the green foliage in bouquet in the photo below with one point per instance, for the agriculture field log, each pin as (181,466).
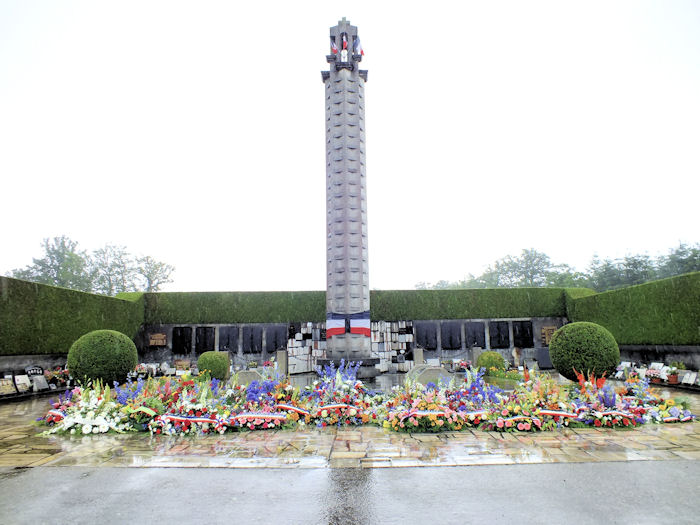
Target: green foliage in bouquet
(106,355)
(584,347)
(218,364)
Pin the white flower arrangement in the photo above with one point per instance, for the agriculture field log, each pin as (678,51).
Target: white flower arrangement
(92,414)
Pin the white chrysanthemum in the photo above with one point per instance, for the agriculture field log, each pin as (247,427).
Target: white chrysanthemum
(86,429)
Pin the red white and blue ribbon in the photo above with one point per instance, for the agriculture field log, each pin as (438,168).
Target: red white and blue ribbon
(559,413)
(165,418)
(534,419)
(260,415)
(617,413)
(292,408)
(57,414)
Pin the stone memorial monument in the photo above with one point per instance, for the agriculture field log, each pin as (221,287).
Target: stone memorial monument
(347,290)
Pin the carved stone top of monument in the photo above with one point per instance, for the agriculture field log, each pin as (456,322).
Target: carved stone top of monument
(346,49)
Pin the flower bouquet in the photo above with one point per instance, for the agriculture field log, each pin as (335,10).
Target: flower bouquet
(89,411)
(671,411)
(58,376)
(654,375)
(338,398)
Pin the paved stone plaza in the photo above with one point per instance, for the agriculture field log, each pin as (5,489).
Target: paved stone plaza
(368,446)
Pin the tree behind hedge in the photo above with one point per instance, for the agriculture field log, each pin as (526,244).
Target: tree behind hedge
(108,270)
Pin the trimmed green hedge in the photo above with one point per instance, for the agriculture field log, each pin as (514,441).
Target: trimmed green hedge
(571,294)
(490,360)
(40,319)
(283,307)
(106,355)
(585,348)
(234,307)
(218,364)
(393,305)
(660,312)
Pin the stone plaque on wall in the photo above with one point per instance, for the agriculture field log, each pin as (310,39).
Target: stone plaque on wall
(547,332)
(7,386)
(157,340)
(23,383)
(39,383)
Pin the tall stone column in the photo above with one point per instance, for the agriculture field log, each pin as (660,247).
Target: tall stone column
(347,290)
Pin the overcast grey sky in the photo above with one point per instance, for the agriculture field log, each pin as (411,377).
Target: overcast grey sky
(194,132)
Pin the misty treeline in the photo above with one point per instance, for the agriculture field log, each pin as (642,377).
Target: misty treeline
(535,269)
(108,270)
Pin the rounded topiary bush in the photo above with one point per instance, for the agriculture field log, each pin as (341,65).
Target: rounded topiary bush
(586,347)
(103,354)
(490,360)
(216,363)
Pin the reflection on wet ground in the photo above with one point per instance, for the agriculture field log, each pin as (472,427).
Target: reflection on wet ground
(356,447)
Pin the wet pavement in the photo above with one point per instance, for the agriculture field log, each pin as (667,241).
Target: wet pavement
(609,492)
(364,447)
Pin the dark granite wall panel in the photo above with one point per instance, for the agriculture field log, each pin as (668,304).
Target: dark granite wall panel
(451,335)
(252,339)
(275,337)
(522,334)
(475,334)
(204,339)
(182,340)
(228,338)
(499,336)
(426,334)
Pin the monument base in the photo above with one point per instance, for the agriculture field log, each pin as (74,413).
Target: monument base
(351,347)
(367,368)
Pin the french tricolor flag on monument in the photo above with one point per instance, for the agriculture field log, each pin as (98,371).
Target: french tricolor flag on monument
(335,324)
(359,324)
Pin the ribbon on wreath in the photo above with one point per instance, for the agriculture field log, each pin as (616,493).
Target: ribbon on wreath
(56,414)
(559,413)
(534,419)
(260,415)
(218,422)
(618,413)
(292,408)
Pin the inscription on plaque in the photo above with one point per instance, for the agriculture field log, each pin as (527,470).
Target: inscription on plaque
(157,340)
(547,332)
(7,386)
(39,383)
(23,383)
